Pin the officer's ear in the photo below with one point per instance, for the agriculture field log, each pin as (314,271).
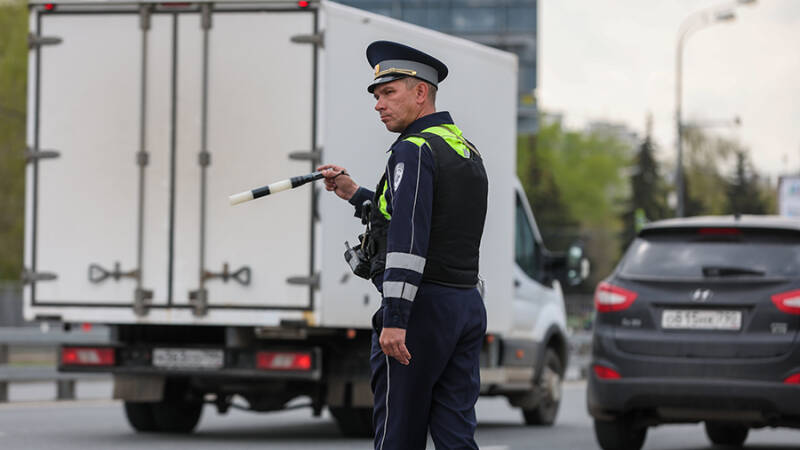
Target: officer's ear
(421,92)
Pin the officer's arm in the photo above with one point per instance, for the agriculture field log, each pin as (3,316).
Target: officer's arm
(409,229)
(358,199)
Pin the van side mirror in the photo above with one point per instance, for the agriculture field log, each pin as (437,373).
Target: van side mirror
(577,265)
(570,268)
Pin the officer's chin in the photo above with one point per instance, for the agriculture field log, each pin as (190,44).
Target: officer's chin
(394,128)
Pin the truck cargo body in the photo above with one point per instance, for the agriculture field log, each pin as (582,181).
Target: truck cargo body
(145,117)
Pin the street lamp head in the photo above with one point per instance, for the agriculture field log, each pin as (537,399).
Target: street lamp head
(746,2)
(724,15)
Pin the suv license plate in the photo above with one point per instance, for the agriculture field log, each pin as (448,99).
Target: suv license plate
(179,358)
(698,319)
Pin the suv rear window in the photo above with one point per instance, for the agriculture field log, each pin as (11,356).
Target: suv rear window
(713,252)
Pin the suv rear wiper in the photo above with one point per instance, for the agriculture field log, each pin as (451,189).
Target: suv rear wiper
(727,271)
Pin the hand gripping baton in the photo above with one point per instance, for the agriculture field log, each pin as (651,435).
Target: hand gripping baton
(273,188)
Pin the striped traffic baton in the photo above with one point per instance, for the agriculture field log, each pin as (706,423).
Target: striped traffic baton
(276,187)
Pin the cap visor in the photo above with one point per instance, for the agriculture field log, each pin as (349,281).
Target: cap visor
(381,80)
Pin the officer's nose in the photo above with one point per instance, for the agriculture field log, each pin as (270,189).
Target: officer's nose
(379,106)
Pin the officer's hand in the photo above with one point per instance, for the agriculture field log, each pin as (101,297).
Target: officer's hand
(393,343)
(338,180)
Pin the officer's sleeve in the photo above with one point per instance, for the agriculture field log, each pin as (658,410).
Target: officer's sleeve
(358,199)
(410,175)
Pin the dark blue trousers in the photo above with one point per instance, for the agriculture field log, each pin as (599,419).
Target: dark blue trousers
(440,386)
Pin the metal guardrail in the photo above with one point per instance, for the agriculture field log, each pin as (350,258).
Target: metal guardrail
(43,337)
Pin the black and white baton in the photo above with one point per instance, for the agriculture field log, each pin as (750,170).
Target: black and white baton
(276,187)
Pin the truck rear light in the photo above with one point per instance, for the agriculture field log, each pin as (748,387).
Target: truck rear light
(303,3)
(49,6)
(608,298)
(606,373)
(87,356)
(793,379)
(283,360)
(788,302)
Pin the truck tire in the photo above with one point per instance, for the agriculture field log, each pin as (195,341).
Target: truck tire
(140,416)
(619,434)
(353,422)
(177,416)
(549,384)
(727,434)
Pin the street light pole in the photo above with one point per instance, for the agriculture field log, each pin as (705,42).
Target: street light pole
(692,23)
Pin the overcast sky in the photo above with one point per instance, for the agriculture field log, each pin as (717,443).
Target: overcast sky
(615,60)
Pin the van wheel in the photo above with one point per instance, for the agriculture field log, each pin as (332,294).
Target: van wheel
(727,434)
(619,434)
(549,387)
(353,422)
(140,416)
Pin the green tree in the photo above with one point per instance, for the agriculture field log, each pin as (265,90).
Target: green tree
(648,192)
(705,183)
(574,182)
(535,165)
(13,72)
(745,195)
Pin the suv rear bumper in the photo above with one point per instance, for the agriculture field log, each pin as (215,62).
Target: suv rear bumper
(671,389)
(661,400)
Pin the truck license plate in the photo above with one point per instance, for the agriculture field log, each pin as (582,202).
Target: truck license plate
(699,319)
(180,358)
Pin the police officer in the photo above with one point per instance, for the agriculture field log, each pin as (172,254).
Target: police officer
(426,232)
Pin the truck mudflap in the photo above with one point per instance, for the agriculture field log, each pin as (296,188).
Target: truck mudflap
(299,363)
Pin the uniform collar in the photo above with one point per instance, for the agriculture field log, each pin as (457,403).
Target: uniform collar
(424,122)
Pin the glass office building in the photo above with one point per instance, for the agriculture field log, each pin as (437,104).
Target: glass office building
(505,24)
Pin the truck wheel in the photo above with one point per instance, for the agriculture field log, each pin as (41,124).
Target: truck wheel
(140,416)
(619,434)
(549,385)
(177,416)
(727,434)
(353,422)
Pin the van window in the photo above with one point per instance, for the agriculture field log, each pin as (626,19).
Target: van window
(526,249)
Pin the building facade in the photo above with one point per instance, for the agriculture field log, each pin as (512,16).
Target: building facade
(509,25)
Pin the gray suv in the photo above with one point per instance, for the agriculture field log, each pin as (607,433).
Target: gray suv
(699,322)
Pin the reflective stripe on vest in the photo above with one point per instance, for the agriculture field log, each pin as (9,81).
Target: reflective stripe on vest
(450,133)
(382,202)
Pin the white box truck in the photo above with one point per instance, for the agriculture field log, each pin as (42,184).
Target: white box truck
(144,117)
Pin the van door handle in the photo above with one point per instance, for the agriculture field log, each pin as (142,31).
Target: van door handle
(516,282)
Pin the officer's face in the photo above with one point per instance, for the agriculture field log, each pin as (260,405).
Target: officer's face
(397,104)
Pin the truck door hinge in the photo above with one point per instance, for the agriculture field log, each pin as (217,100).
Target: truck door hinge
(205,10)
(316,39)
(199,301)
(35,41)
(312,281)
(141,301)
(314,155)
(30,277)
(144,17)
(142,158)
(204,158)
(32,154)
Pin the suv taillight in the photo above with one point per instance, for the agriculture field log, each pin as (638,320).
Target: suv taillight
(794,379)
(608,298)
(788,302)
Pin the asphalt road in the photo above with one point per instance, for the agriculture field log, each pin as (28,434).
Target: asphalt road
(95,422)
